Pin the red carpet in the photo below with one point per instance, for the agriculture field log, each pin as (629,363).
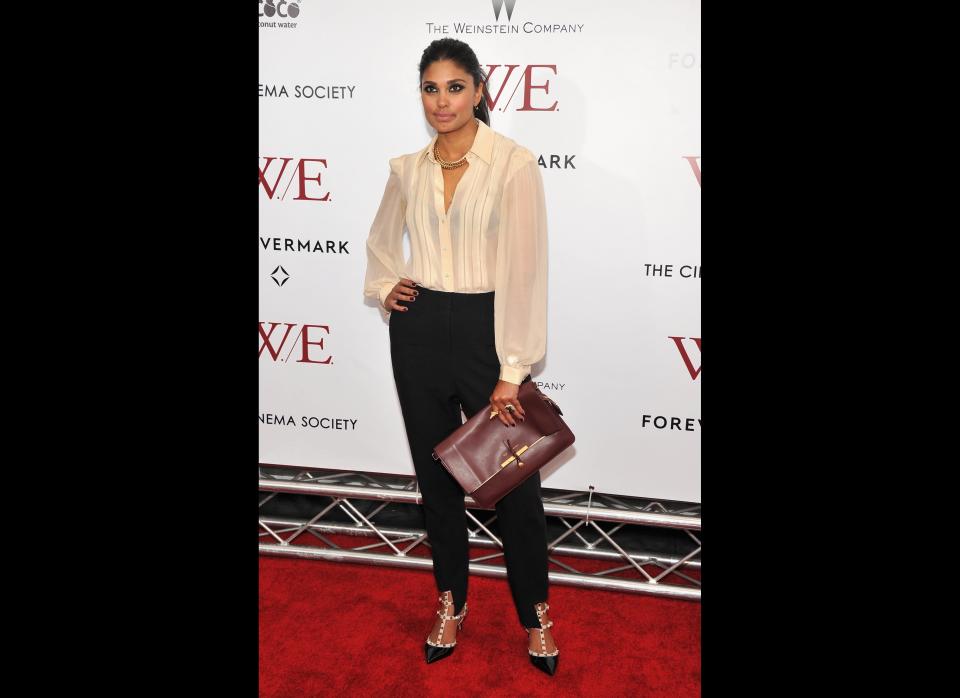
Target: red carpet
(331,628)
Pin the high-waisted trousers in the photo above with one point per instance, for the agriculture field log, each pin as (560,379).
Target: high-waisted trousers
(444,359)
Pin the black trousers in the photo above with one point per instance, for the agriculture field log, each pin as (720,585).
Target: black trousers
(444,358)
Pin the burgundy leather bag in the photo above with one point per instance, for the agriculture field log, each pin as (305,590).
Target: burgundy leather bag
(489,459)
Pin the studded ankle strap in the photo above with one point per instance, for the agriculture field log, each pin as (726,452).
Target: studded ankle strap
(542,608)
(457,617)
(448,603)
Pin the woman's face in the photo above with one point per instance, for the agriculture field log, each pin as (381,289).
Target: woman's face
(448,96)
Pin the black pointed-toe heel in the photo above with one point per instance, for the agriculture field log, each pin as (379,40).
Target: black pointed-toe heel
(547,662)
(436,651)
(548,665)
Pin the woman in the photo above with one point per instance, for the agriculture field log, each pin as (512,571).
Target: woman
(467,320)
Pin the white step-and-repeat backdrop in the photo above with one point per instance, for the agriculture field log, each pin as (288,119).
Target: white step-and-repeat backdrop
(608,95)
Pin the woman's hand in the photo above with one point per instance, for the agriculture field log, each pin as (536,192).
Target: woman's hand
(504,394)
(404,291)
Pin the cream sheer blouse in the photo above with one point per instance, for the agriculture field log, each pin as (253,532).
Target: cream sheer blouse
(494,238)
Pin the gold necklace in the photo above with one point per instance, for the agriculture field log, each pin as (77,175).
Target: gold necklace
(443,163)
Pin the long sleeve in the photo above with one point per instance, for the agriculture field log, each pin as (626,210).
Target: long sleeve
(520,303)
(385,261)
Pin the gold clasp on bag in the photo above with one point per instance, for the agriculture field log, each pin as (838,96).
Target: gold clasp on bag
(520,452)
(512,458)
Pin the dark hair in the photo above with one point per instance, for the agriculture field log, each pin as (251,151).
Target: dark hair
(461,54)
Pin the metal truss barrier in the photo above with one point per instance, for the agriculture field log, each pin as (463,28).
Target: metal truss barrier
(656,574)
